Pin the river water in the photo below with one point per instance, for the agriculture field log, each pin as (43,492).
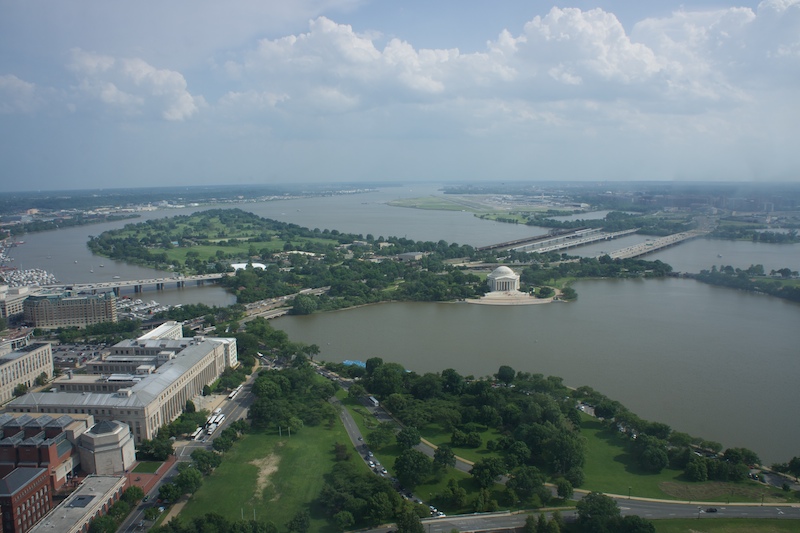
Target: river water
(713,362)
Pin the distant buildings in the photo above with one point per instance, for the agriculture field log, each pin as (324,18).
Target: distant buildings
(59,309)
(11,300)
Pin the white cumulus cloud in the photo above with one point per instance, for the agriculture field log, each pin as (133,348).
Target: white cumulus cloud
(17,96)
(133,86)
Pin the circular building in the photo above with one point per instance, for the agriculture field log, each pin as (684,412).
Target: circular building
(503,279)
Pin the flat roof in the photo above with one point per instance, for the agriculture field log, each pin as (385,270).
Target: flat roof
(160,330)
(19,352)
(79,505)
(142,393)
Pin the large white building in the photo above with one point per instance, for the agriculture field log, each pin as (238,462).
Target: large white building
(155,399)
(503,279)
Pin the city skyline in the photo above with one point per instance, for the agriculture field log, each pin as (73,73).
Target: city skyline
(98,95)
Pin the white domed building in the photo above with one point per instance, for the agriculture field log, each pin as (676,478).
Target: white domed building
(503,279)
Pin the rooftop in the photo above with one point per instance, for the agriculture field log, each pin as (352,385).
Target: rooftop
(79,504)
(17,479)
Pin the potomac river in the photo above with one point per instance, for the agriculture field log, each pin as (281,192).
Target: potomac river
(709,361)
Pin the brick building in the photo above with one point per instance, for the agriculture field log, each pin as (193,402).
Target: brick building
(25,498)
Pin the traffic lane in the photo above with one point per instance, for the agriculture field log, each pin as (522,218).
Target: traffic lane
(666,510)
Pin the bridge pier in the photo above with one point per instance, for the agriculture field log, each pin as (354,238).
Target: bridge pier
(137,288)
(159,286)
(181,284)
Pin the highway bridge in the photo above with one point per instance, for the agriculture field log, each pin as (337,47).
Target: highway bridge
(572,240)
(508,245)
(139,284)
(645,248)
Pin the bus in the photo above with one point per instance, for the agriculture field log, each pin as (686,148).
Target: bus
(210,420)
(211,429)
(374,401)
(196,433)
(235,391)
(218,420)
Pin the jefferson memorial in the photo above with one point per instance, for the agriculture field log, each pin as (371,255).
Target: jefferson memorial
(504,290)
(503,279)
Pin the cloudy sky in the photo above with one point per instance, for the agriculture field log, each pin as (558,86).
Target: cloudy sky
(113,94)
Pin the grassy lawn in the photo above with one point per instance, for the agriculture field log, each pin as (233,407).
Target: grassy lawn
(147,467)
(275,476)
(609,468)
(725,525)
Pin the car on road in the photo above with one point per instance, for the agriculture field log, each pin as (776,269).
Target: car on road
(711,510)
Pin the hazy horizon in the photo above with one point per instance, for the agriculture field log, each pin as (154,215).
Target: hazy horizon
(152,94)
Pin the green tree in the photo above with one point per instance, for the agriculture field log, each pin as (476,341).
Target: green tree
(190,407)
(300,522)
(443,457)
(408,522)
(408,437)
(151,513)
(530,524)
(206,461)
(344,520)
(133,494)
(382,436)
(380,506)
(222,444)
(189,480)
(20,389)
(169,492)
(794,467)
(564,488)
(411,467)
(304,305)
(356,391)
(486,471)
(103,524)
(597,513)
(527,482)
(506,374)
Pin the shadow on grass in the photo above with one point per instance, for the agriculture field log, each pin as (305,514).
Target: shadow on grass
(616,439)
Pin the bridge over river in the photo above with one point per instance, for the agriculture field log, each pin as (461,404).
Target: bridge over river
(645,248)
(139,284)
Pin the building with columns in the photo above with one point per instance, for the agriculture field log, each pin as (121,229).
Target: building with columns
(503,279)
